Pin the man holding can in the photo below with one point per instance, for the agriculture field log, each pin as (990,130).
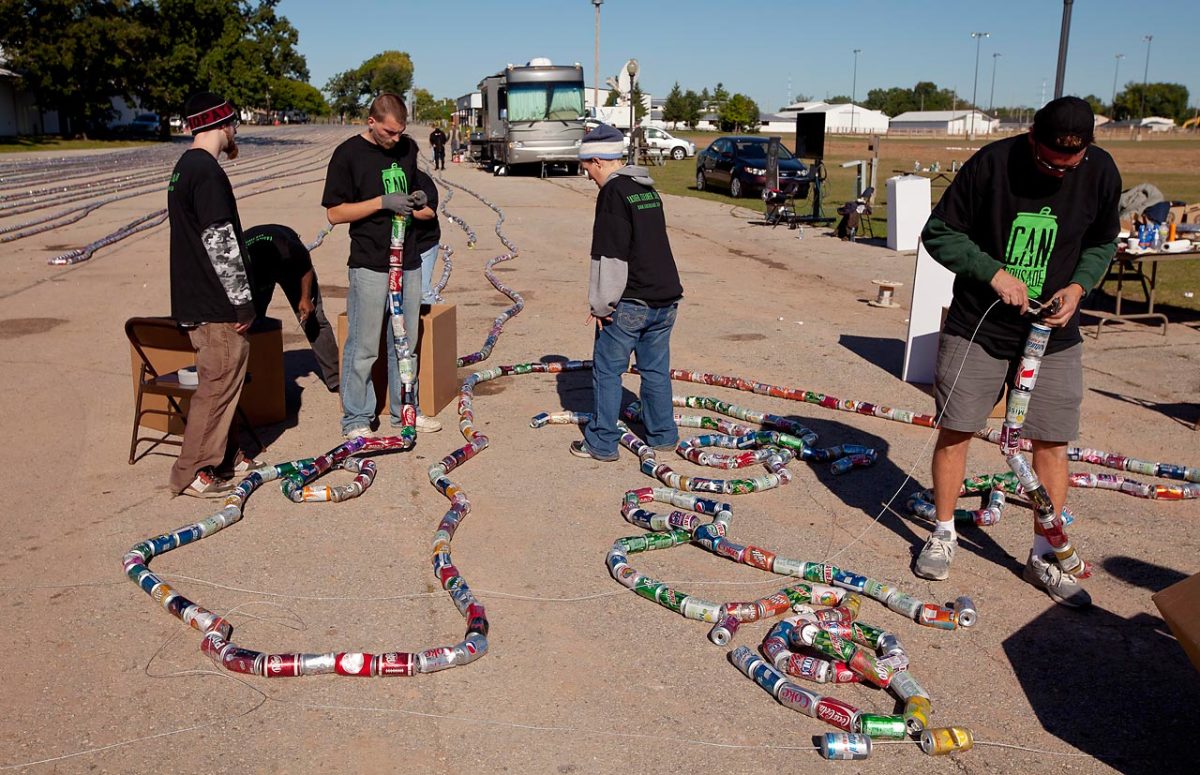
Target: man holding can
(1032,217)
(634,292)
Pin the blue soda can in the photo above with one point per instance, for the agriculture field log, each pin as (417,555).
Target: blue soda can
(844,745)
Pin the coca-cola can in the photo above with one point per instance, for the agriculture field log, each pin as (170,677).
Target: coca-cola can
(798,698)
(839,714)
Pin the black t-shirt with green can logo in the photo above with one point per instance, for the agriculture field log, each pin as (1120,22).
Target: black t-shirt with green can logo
(360,170)
(1035,224)
(630,225)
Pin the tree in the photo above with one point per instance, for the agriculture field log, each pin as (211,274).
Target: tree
(840,99)
(345,94)
(719,97)
(80,67)
(613,98)
(430,109)
(237,48)
(290,94)
(1161,99)
(639,104)
(739,113)
(675,107)
(693,108)
(390,71)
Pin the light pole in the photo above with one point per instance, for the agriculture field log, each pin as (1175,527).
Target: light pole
(632,69)
(992,96)
(854,89)
(978,36)
(1145,74)
(1116,70)
(596,63)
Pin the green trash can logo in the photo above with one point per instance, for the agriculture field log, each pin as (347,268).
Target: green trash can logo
(395,182)
(1030,244)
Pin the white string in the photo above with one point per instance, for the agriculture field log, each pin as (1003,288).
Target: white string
(908,476)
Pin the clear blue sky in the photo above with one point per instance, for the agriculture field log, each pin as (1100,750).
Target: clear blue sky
(760,48)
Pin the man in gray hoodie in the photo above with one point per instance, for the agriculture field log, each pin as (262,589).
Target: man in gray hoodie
(634,293)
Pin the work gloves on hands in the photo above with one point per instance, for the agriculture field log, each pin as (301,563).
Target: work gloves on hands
(404,204)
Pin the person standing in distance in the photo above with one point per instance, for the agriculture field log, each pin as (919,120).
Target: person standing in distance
(437,139)
(210,297)
(1030,217)
(634,295)
(372,176)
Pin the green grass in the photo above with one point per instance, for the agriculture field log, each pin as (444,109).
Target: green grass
(50,143)
(1173,165)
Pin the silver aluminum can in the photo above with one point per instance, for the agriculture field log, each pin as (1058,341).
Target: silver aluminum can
(965,610)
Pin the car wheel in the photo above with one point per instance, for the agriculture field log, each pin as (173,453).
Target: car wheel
(735,187)
(678,154)
(701,181)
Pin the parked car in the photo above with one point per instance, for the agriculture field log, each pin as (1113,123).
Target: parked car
(675,147)
(145,125)
(739,164)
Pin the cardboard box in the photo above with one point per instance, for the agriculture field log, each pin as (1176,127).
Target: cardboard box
(1179,605)
(437,358)
(1191,214)
(262,396)
(1177,214)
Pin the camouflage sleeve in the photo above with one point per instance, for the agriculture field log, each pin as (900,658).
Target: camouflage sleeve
(220,241)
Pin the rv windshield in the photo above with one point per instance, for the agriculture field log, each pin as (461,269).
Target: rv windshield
(541,101)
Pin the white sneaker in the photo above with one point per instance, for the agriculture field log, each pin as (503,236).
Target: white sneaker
(356,433)
(428,424)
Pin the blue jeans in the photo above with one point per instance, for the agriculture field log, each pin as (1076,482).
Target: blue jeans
(428,259)
(645,332)
(366,313)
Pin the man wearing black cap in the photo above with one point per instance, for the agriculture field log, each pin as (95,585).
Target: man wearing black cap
(1032,217)
(210,296)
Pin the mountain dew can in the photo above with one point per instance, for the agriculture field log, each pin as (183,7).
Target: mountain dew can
(875,725)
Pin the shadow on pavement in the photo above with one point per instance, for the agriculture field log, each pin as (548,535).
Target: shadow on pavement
(884,352)
(1183,412)
(1120,690)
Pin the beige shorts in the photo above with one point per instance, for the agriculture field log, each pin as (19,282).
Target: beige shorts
(1053,407)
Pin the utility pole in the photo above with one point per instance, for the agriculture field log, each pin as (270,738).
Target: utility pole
(1116,70)
(1145,74)
(992,96)
(978,36)
(854,89)
(596,63)
(1063,36)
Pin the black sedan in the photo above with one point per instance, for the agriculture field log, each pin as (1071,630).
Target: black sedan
(739,164)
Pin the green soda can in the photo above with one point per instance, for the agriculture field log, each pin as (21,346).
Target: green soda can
(890,727)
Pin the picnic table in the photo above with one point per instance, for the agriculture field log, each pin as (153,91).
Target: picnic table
(1132,266)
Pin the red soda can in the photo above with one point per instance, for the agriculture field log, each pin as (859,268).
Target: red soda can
(759,558)
(1010,438)
(837,713)
(840,673)
(397,663)
(284,666)
(354,663)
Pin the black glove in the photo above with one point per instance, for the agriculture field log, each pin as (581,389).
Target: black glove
(418,199)
(398,204)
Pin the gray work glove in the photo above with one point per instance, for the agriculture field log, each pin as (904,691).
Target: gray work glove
(418,199)
(398,204)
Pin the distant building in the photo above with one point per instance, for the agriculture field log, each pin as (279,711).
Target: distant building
(467,108)
(19,111)
(848,118)
(1149,123)
(953,122)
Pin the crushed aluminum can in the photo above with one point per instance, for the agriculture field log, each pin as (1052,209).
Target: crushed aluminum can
(939,742)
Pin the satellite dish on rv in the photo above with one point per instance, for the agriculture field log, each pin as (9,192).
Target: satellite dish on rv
(539,62)
(624,84)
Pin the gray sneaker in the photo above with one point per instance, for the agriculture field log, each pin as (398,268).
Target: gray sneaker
(1062,588)
(934,560)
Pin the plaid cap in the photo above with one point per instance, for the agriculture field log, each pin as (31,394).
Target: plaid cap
(207,111)
(1066,125)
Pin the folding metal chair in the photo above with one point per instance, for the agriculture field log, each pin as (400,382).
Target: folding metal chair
(158,333)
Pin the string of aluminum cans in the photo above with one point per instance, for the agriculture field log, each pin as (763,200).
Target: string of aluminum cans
(518,302)
(297,475)
(79,255)
(821,645)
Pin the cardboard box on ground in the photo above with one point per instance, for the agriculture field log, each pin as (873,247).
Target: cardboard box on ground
(1180,608)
